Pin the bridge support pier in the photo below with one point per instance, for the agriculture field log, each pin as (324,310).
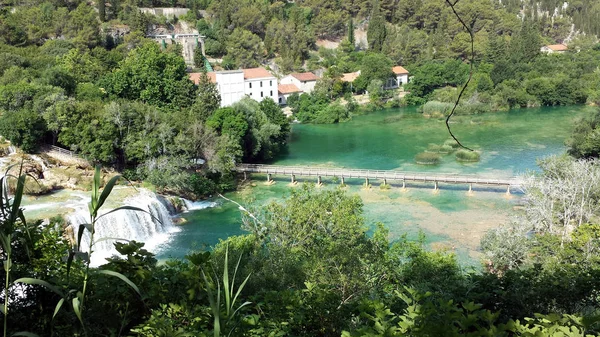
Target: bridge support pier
(508,189)
(343,183)
(269,177)
(366,182)
(435,186)
(384,181)
(470,188)
(403,183)
(245,177)
(293,178)
(319,181)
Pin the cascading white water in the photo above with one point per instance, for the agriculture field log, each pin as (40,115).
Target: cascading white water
(196,205)
(152,228)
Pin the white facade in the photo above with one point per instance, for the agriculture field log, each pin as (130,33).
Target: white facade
(230,85)
(261,88)
(306,86)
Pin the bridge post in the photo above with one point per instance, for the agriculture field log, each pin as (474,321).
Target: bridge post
(366,182)
(384,181)
(319,180)
(269,177)
(508,189)
(245,177)
(293,178)
(403,183)
(435,185)
(343,182)
(470,187)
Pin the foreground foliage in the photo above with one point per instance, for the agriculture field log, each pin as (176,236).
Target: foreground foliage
(308,267)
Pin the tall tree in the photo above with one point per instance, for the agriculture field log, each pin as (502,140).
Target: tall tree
(376,32)
(351,37)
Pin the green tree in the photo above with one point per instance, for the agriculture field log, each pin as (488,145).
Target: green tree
(152,76)
(208,99)
(245,48)
(376,32)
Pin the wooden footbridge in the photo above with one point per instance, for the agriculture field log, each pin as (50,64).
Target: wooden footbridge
(382,175)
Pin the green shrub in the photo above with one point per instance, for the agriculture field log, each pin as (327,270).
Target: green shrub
(452,143)
(436,108)
(467,156)
(427,158)
(445,149)
(433,148)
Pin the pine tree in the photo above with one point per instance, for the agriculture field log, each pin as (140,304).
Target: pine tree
(376,32)
(351,38)
(102,10)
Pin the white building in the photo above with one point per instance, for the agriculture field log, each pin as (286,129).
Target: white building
(304,81)
(260,84)
(285,90)
(233,85)
(554,48)
(400,78)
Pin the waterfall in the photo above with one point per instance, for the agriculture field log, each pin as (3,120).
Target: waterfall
(152,228)
(196,205)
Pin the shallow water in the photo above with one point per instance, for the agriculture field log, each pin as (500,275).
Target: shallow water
(451,218)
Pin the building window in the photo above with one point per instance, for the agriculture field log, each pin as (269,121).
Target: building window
(271,92)
(270,83)
(250,94)
(261,94)
(250,85)
(280,100)
(261,84)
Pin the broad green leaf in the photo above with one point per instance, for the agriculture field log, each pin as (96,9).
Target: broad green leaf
(25,334)
(80,235)
(77,309)
(122,278)
(110,239)
(58,306)
(106,191)
(17,198)
(39,282)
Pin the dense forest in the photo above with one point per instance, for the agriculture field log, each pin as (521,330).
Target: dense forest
(309,265)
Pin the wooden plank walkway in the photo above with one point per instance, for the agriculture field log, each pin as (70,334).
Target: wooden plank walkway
(377,175)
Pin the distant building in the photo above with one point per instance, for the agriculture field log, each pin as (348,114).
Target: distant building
(400,78)
(304,81)
(554,48)
(233,85)
(285,90)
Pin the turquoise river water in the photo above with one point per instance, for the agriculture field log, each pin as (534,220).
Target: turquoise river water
(451,218)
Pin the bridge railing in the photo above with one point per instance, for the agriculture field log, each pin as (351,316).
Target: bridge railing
(375,174)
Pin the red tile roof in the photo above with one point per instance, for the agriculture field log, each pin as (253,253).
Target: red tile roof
(558,47)
(285,89)
(256,73)
(399,70)
(305,77)
(350,77)
(195,77)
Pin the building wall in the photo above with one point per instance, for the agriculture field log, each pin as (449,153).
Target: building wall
(307,86)
(231,86)
(261,88)
(402,79)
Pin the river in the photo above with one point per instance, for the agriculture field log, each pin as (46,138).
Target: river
(452,220)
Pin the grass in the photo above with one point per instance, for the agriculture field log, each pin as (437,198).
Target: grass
(452,143)
(428,158)
(467,156)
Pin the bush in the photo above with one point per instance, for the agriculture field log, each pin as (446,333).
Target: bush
(427,158)
(433,148)
(452,143)
(467,156)
(436,108)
